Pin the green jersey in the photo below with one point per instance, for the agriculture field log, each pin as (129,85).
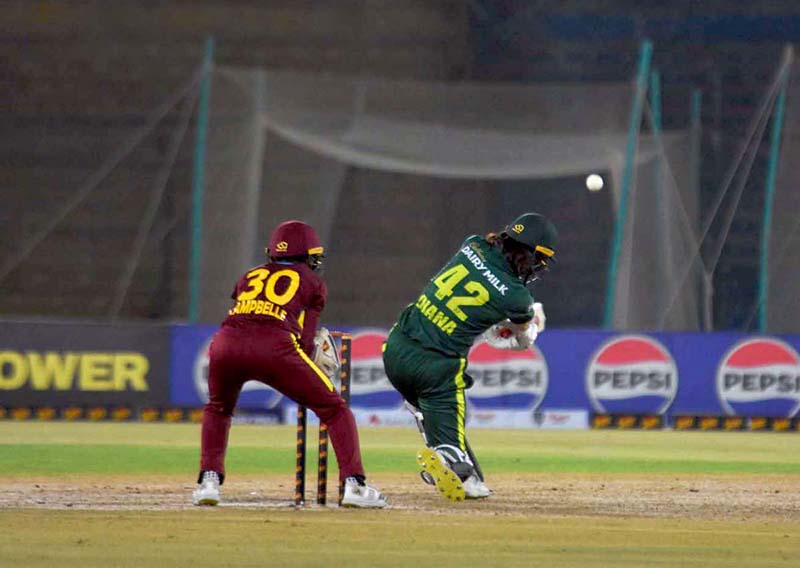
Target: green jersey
(473,291)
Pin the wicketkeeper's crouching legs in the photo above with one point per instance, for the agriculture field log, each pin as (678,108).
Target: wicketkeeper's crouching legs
(285,367)
(224,385)
(329,406)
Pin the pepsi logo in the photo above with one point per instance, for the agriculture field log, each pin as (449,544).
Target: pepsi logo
(758,371)
(632,373)
(369,385)
(507,379)
(367,373)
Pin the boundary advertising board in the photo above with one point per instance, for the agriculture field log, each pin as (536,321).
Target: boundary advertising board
(64,364)
(569,376)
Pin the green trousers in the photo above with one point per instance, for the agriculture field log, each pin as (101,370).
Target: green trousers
(434,383)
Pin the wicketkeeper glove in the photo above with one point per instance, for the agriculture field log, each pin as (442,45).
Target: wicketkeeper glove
(326,355)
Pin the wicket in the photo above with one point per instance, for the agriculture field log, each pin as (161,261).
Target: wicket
(345,341)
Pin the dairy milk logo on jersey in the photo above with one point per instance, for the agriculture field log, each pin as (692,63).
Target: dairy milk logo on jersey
(760,377)
(506,379)
(369,385)
(255,395)
(632,373)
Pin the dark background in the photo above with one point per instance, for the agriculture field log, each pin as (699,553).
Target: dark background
(76,75)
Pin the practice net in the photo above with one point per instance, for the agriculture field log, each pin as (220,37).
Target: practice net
(781,302)
(394,174)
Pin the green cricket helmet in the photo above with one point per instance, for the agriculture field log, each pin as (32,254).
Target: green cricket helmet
(538,236)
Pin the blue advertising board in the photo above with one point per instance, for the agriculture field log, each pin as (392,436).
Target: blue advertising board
(591,371)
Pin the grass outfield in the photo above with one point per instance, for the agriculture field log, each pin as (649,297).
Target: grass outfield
(52,448)
(421,530)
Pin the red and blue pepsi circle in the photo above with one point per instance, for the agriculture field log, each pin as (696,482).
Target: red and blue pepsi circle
(507,379)
(760,377)
(631,374)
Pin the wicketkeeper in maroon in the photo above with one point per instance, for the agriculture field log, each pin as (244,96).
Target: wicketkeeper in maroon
(270,335)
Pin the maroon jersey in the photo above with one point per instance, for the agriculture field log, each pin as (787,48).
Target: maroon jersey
(288,296)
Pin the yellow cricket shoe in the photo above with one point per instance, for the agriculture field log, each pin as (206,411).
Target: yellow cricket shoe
(445,479)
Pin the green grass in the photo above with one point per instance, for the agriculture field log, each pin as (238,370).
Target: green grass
(450,536)
(109,448)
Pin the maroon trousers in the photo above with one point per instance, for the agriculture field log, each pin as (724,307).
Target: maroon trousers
(274,357)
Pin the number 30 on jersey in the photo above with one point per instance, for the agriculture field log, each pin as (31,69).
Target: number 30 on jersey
(261,281)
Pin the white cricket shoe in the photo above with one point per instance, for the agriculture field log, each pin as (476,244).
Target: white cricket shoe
(474,488)
(445,479)
(362,495)
(207,493)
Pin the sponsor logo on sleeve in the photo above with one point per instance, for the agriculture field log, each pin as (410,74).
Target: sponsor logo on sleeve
(760,377)
(506,379)
(632,374)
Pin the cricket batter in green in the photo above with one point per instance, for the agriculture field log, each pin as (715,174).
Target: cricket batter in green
(483,289)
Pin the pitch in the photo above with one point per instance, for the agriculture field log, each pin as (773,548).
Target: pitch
(119,494)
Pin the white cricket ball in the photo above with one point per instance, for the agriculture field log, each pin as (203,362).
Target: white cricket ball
(594,182)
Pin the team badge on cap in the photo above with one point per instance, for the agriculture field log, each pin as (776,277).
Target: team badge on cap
(760,377)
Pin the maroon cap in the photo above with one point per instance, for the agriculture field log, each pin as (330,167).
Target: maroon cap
(294,238)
